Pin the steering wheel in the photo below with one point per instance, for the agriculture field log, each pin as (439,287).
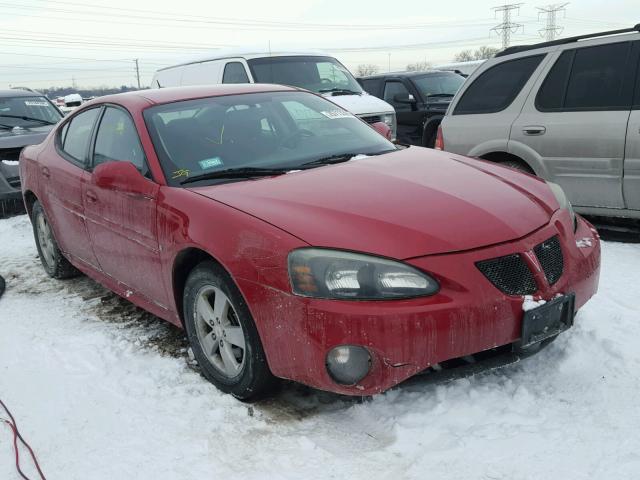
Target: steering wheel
(300,133)
(326,81)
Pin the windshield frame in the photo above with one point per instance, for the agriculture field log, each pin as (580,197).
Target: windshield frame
(31,123)
(371,145)
(253,62)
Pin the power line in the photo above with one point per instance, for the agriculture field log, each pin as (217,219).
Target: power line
(507,27)
(551,12)
(234,23)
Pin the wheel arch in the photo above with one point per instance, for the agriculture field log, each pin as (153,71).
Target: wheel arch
(430,127)
(502,157)
(29,200)
(184,262)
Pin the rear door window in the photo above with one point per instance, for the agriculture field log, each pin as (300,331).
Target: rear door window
(77,134)
(590,78)
(234,72)
(496,88)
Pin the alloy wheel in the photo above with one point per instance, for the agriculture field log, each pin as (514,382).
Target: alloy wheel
(219,332)
(45,239)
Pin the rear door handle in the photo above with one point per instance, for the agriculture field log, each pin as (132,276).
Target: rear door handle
(534,130)
(92,197)
(45,172)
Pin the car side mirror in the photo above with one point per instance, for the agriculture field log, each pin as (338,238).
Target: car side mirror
(120,176)
(404,98)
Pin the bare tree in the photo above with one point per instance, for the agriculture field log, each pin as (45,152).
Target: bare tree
(481,53)
(464,56)
(365,69)
(484,52)
(418,66)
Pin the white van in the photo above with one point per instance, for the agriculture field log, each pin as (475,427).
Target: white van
(316,72)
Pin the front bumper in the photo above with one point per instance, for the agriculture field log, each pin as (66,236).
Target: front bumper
(404,337)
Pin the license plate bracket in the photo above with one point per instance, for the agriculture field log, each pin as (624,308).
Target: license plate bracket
(547,320)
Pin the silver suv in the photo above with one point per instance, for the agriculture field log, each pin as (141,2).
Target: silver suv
(567,110)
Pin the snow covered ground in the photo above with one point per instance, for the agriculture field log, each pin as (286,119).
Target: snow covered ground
(104,391)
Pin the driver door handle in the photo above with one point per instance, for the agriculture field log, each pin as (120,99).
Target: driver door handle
(91,197)
(534,130)
(45,172)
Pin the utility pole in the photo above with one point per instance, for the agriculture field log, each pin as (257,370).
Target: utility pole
(552,30)
(137,72)
(507,27)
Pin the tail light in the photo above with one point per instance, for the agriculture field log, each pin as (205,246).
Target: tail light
(439,140)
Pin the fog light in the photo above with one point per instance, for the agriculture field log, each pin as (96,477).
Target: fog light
(348,364)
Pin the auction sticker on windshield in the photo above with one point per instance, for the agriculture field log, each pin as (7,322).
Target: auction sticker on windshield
(337,114)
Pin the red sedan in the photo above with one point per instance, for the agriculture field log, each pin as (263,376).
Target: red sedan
(291,240)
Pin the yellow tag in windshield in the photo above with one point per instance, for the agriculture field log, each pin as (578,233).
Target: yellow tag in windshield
(183,172)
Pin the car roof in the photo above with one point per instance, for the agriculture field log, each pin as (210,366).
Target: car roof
(18,93)
(248,54)
(405,74)
(175,94)
(613,35)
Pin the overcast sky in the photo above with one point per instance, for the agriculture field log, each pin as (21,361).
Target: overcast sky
(54,43)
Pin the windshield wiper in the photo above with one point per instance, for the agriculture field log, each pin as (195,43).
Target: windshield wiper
(8,127)
(440,95)
(244,172)
(340,91)
(45,122)
(339,158)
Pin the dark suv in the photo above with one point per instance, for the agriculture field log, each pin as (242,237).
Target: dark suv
(26,117)
(419,98)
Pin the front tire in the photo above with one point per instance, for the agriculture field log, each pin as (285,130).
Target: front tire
(223,335)
(53,261)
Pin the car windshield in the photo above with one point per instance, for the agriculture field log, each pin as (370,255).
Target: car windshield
(315,73)
(27,111)
(274,130)
(439,84)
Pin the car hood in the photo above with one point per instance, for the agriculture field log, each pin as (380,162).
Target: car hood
(360,105)
(404,204)
(21,137)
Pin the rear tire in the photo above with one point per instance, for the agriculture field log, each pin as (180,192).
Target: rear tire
(223,335)
(53,261)
(429,139)
(518,165)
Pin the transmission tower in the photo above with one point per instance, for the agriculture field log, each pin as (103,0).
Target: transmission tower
(507,27)
(552,30)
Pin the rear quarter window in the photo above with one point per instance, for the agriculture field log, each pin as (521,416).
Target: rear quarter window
(496,88)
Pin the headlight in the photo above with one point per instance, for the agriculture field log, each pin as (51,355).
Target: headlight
(564,202)
(320,273)
(390,120)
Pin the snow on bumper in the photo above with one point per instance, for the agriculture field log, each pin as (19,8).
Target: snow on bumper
(467,316)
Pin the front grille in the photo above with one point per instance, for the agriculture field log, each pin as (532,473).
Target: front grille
(549,255)
(372,119)
(509,274)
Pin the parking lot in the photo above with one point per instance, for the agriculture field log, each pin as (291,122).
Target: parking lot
(103,390)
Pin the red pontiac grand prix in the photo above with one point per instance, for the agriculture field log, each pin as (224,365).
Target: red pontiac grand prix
(292,240)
